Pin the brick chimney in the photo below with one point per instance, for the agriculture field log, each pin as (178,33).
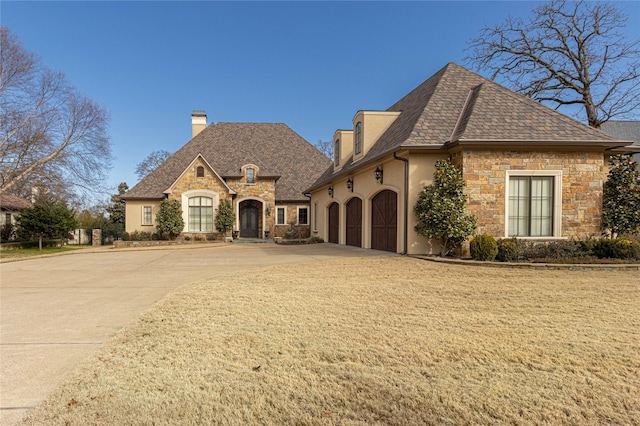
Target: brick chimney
(198,122)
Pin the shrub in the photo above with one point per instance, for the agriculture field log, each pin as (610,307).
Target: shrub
(507,250)
(7,232)
(126,236)
(315,240)
(483,247)
(140,236)
(187,238)
(625,248)
(198,238)
(211,237)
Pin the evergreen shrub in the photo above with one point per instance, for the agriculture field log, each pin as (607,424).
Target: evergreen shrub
(483,247)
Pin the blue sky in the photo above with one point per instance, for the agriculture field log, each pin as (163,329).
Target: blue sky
(311,65)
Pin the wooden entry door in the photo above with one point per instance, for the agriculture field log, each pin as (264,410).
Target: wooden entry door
(384,221)
(334,222)
(354,222)
(249,222)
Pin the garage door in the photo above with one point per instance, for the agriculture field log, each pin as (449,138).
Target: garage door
(354,222)
(334,222)
(384,221)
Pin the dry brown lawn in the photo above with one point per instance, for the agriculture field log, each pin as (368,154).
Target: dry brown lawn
(389,340)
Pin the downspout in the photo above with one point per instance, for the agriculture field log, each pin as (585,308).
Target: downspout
(406,200)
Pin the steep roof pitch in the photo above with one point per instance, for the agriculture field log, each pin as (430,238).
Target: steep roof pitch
(456,105)
(626,130)
(13,202)
(274,147)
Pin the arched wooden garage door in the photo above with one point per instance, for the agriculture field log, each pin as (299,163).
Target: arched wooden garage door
(384,221)
(354,222)
(334,222)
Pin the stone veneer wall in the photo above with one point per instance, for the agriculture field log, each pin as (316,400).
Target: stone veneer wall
(292,216)
(583,174)
(189,181)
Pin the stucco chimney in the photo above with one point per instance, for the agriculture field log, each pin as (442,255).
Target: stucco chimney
(198,122)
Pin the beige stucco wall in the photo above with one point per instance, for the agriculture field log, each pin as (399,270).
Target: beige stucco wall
(133,214)
(374,124)
(346,147)
(583,174)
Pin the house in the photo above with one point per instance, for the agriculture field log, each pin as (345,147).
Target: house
(625,130)
(11,206)
(262,168)
(530,172)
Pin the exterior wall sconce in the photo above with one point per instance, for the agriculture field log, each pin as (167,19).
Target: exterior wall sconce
(378,174)
(331,191)
(350,184)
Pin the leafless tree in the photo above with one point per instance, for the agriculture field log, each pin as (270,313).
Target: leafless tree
(51,136)
(150,162)
(567,53)
(325,147)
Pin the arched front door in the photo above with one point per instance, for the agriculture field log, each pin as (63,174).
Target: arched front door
(384,221)
(354,222)
(334,222)
(249,221)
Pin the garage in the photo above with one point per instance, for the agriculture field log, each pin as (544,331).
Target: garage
(384,221)
(354,222)
(334,222)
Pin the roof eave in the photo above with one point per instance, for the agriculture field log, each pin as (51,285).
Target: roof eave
(538,143)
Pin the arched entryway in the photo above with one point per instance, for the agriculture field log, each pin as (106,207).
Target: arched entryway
(384,221)
(354,222)
(250,219)
(334,222)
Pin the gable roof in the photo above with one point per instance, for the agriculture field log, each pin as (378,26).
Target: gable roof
(274,147)
(13,202)
(457,106)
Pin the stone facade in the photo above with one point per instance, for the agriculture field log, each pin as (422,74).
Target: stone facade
(583,174)
(189,181)
(291,217)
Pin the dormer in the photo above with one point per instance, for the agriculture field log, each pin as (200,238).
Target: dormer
(368,126)
(249,174)
(342,148)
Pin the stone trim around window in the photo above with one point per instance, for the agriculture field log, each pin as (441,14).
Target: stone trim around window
(557,200)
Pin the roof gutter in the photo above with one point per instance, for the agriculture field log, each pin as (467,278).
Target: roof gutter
(406,199)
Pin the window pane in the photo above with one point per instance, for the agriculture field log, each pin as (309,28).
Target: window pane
(518,206)
(541,206)
(280,218)
(250,176)
(201,214)
(336,152)
(303,216)
(531,206)
(146,219)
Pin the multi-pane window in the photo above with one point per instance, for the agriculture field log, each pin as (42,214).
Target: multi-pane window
(146,216)
(281,216)
(531,206)
(303,215)
(7,218)
(336,152)
(201,214)
(358,144)
(251,176)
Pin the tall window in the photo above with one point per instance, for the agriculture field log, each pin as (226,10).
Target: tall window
(336,152)
(251,176)
(531,206)
(281,216)
(200,171)
(146,216)
(201,214)
(303,215)
(7,218)
(358,147)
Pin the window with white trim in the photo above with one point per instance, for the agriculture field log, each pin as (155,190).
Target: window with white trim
(303,215)
(358,139)
(200,214)
(281,216)
(534,204)
(147,217)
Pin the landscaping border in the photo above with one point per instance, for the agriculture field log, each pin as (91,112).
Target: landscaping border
(528,265)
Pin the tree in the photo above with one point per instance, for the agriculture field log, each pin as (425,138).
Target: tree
(566,54)
(621,198)
(224,217)
(51,135)
(441,208)
(46,220)
(151,162)
(325,147)
(117,208)
(169,218)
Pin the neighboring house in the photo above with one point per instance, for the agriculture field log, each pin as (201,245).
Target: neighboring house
(530,171)
(262,168)
(10,208)
(625,130)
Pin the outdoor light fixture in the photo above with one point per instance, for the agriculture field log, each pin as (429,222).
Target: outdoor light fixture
(350,184)
(378,174)
(331,191)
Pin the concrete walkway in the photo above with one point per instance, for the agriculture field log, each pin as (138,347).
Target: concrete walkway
(56,311)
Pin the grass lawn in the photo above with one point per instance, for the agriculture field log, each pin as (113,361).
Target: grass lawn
(390,340)
(32,252)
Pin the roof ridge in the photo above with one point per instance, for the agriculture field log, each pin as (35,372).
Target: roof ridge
(465,113)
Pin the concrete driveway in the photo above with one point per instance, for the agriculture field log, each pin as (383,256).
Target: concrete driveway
(56,311)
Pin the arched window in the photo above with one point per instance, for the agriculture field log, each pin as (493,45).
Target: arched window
(358,147)
(336,152)
(201,214)
(200,171)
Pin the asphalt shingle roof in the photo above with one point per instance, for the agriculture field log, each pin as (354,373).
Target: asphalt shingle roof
(13,202)
(458,105)
(274,147)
